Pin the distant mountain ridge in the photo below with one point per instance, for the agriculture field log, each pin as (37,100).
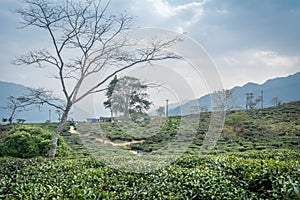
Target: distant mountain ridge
(286,89)
(34,115)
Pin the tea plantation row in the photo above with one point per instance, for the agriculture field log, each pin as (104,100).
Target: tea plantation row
(251,175)
(257,129)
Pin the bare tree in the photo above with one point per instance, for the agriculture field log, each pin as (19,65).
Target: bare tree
(15,105)
(275,101)
(160,111)
(95,37)
(220,98)
(42,96)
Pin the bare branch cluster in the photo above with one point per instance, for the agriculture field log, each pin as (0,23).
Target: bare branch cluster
(42,96)
(95,37)
(86,41)
(15,105)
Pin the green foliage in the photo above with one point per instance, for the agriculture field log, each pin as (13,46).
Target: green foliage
(127,95)
(271,175)
(28,141)
(111,130)
(269,128)
(243,130)
(166,133)
(20,144)
(240,172)
(4,120)
(238,121)
(228,132)
(51,127)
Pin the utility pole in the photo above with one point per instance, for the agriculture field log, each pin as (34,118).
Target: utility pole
(167,108)
(247,100)
(111,116)
(262,99)
(251,105)
(49,115)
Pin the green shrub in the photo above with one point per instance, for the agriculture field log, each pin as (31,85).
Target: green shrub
(28,141)
(260,147)
(32,130)
(44,145)
(20,144)
(1,149)
(63,149)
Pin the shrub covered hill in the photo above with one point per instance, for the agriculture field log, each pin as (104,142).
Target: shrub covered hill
(256,157)
(256,129)
(269,128)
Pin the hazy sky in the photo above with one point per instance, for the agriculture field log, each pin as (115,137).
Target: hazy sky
(248,40)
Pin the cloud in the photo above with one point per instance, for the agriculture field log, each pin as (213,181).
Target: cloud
(240,25)
(165,9)
(161,8)
(160,12)
(247,42)
(194,9)
(262,58)
(255,65)
(274,59)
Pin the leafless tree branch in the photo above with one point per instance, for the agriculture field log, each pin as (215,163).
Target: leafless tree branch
(94,36)
(42,96)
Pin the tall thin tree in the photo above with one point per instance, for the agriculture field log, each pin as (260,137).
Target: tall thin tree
(86,40)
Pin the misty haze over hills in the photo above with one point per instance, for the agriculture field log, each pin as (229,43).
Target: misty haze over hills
(34,115)
(286,89)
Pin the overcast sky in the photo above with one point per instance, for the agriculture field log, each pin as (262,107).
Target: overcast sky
(248,40)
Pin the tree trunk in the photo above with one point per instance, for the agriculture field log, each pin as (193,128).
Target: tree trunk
(11,118)
(53,144)
(111,116)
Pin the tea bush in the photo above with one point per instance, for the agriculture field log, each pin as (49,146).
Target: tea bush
(21,144)
(231,176)
(28,142)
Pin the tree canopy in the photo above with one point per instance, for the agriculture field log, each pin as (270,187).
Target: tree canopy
(127,95)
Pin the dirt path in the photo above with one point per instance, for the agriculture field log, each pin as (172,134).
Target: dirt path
(72,130)
(106,141)
(123,144)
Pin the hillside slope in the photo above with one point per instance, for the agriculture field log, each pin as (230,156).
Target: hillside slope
(34,115)
(286,89)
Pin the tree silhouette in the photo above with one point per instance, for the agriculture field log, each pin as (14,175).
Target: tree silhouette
(86,42)
(276,102)
(16,105)
(160,111)
(109,93)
